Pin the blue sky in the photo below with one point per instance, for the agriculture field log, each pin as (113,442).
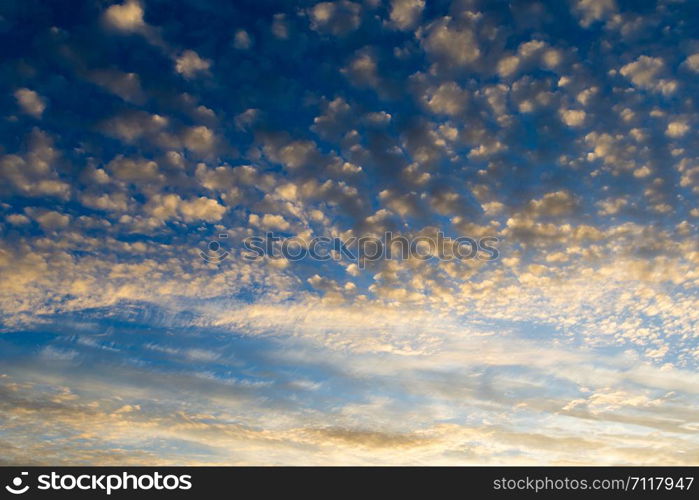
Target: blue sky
(134,134)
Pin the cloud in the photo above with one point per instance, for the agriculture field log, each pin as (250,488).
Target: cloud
(17,219)
(34,173)
(125,17)
(591,11)
(242,40)
(508,65)
(448,98)
(677,129)
(51,219)
(169,206)
(189,64)
(646,72)
(553,204)
(530,54)
(201,208)
(280,26)
(131,125)
(269,221)
(30,102)
(612,206)
(573,117)
(692,62)
(449,43)
(199,139)
(135,170)
(337,18)
(405,14)
(116,202)
(363,70)
(125,85)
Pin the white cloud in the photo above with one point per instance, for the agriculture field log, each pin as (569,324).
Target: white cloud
(116,202)
(573,117)
(611,206)
(337,18)
(405,14)
(590,11)
(552,58)
(30,102)
(135,170)
(200,139)
(125,17)
(280,26)
(451,44)
(133,125)
(448,98)
(242,40)
(553,204)
(677,129)
(34,173)
(508,65)
(17,219)
(269,221)
(202,208)
(125,85)
(50,219)
(692,62)
(642,172)
(189,64)
(646,72)
(363,70)
(245,119)
(171,206)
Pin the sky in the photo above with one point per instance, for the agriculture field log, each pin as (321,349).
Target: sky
(142,142)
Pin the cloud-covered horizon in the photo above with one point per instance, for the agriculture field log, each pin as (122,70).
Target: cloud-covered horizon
(136,133)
